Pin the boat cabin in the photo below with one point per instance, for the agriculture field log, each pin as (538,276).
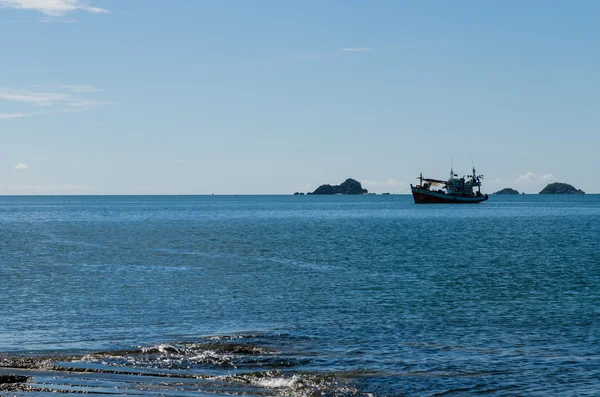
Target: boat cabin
(454,186)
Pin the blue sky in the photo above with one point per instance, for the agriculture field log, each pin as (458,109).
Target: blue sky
(224,97)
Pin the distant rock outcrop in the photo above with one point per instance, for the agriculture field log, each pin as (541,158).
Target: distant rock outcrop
(561,188)
(349,186)
(507,191)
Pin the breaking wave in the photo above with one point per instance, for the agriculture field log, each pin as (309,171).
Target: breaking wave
(239,364)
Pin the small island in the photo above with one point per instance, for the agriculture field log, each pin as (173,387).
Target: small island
(507,191)
(349,186)
(561,188)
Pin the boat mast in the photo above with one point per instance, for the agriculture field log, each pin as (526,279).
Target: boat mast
(476,180)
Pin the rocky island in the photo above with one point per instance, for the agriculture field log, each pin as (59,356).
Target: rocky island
(561,188)
(507,191)
(349,186)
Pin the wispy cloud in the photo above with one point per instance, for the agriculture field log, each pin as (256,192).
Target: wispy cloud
(7,116)
(21,166)
(53,8)
(81,89)
(314,56)
(356,49)
(35,98)
(296,57)
(55,101)
(88,104)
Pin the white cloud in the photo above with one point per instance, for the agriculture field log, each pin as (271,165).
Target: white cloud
(368,182)
(54,8)
(548,178)
(527,177)
(357,49)
(21,166)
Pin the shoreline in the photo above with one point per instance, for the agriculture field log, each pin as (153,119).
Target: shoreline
(217,365)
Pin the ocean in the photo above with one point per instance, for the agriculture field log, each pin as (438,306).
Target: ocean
(300,295)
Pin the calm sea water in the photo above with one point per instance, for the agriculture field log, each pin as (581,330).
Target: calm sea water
(307,295)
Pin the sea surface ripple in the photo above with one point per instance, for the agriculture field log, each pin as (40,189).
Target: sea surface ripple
(301,295)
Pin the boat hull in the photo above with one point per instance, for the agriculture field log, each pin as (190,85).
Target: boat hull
(424,196)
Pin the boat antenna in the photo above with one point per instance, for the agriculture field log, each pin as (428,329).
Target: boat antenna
(451,167)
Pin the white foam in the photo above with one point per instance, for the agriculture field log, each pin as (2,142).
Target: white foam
(276,383)
(164,349)
(212,357)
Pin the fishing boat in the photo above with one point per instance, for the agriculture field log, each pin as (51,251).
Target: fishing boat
(465,190)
